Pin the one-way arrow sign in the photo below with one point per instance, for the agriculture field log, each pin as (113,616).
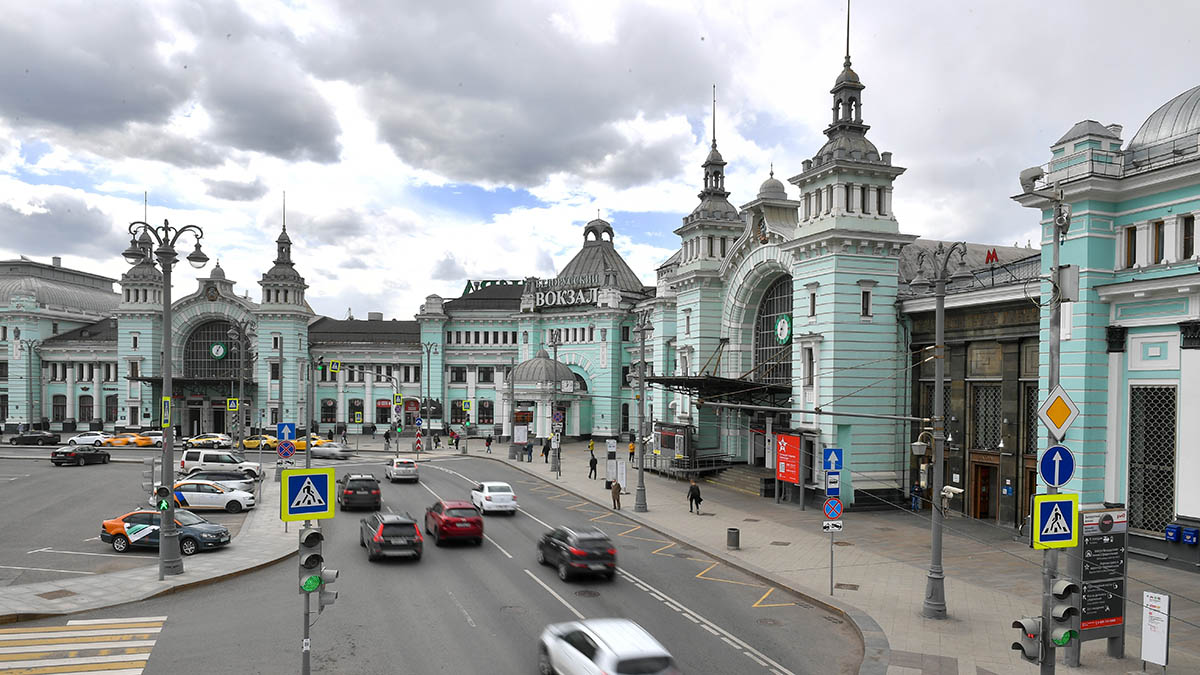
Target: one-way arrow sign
(833,459)
(1056,466)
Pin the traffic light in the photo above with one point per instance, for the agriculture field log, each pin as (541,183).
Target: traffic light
(326,597)
(467,422)
(320,363)
(1064,610)
(162,497)
(148,474)
(311,559)
(1030,642)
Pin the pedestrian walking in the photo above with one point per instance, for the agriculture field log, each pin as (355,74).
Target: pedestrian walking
(631,446)
(437,441)
(546,453)
(591,446)
(372,432)
(487,443)
(529,450)
(387,440)
(693,497)
(592,467)
(344,440)
(616,495)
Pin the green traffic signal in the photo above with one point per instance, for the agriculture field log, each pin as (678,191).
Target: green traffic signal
(1066,636)
(311,583)
(163,505)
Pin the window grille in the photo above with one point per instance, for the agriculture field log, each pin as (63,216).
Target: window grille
(985,416)
(1031,419)
(1151,457)
(486,412)
(927,400)
(773,361)
(328,411)
(198,362)
(457,415)
(59,408)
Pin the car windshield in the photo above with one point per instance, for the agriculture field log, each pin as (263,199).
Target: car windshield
(644,665)
(462,513)
(238,458)
(499,488)
(188,518)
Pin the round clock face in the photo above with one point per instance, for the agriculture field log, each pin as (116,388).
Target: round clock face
(211,293)
(217,350)
(783,329)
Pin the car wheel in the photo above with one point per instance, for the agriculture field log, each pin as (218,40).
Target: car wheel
(80,462)
(418,558)
(41,441)
(609,576)
(563,572)
(188,546)
(234,506)
(437,538)
(56,463)
(97,444)
(105,459)
(158,444)
(12,441)
(120,543)
(479,541)
(71,442)
(361,542)
(541,556)
(544,665)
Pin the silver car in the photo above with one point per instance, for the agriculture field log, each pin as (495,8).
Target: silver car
(402,469)
(332,451)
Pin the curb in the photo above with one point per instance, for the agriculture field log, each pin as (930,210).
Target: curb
(876,649)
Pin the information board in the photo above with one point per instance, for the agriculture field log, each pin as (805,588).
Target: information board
(1102,604)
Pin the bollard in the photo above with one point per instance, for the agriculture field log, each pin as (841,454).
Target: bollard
(733,538)
(512,451)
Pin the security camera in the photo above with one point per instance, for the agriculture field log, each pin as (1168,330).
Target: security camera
(1030,176)
(949,491)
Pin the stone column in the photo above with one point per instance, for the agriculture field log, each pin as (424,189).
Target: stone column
(887,201)
(71,400)
(98,395)
(341,395)
(369,397)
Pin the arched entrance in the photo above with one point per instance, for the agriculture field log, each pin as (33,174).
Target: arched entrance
(209,376)
(772,352)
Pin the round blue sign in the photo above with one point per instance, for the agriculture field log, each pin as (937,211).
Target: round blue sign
(1056,466)
(286,449)
(833,508)
(419,422)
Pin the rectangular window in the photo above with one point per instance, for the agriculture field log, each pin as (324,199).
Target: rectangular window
(514,337)
(3,332)
(416,374)
(3,371)
(828,198)
(275,340)
(85,408)
(457,337)
(1158,231)
(328,411)
(449,337)
(807,206)
(625,376)
(458,374)
(274,371)
(1030,423)
(59,408)
(54,328)
(457,416)
(591,333)
(864,199)
(134,342)
(879,202)
(486,375)
(723,239)
(485,411)
(849,190)
(812,304)
(985,416)
(383,411)
(110,408)
(711,252)
(475,340)
(1130,247)
(355,411)
(1152,444)
(495,337)
(687,324)
(133,370)
(818,199)
(624,333)
(809,367)
(1189,236)
(865,309)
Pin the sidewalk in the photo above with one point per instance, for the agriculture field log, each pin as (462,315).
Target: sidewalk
(260,542)
(880,566)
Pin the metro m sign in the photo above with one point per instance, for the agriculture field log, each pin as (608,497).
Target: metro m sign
(787,458)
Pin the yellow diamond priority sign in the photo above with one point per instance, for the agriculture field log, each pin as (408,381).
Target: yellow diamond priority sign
(1057,412)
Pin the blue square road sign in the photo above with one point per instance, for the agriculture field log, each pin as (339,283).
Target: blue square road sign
(285,431)
(834,459)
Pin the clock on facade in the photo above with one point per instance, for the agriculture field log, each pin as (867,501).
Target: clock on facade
(211,293)
(217,350)
(783,329)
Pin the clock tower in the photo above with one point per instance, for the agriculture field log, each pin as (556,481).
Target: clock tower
(283,317)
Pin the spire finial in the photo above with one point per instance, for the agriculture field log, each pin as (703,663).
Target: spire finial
(847,63)
(772,169)
(285,210)
(146,206)
(714,138)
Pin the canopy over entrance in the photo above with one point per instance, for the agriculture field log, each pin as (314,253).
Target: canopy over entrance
(726,390)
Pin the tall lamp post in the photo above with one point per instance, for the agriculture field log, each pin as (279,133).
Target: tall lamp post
(556,455)
(430,349)
(143,237)
(642,328)
(241,332)
(936,261)
(28,345)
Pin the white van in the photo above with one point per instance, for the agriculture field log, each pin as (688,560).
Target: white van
(216,460)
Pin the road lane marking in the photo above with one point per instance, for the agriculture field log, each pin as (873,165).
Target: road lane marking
(430,491)
(42,569)
(462,609)
(757,660)
(728,581)
(544,523)
(771,590)
(130,619)
(498,546)
(131,659)
(95,538)
(106,555)
(39,649)
(556,595)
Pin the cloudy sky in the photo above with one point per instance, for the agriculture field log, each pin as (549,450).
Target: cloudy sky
(425,143)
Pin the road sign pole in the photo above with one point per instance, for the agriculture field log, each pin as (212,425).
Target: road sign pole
(831,562)
(1050,556)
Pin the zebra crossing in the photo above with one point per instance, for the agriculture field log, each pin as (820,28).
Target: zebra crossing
(118,646)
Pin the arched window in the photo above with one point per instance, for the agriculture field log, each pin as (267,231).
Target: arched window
(110,408)
(86,408)
(772,342)
(199,356)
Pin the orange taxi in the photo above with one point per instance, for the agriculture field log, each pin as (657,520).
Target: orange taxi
(129,439)
(265,440)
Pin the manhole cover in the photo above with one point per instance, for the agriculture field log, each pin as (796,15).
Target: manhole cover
(587,594)
(767,622)
(843,543)
(847,587)
(781,543)
(832,619)
(749,520)
(54,595)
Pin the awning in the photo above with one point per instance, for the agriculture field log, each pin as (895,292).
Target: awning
(726,390)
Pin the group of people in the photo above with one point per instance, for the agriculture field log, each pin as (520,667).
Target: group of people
(455,437)
(693,494)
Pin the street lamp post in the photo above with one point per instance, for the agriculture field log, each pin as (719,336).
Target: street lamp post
(28,345)
(241,332)
(169,559)
(935,583)
(642,328)
(556,455)
(430,348)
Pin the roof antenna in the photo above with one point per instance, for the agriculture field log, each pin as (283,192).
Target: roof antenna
(847,64)
(145,205)
(714,140)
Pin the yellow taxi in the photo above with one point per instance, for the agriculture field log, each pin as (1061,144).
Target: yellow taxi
(253,442)
(302,443)
(129,439)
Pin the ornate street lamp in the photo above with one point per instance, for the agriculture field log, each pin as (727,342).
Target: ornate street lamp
(643,328)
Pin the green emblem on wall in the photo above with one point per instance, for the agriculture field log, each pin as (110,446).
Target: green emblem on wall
(783,329)
(217,350)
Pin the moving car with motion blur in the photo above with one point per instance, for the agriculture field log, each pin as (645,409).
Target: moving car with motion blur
(602,646)
(128,439)
(266,441)
(79,455)
(140,529)
(35,438)
(208,441)
(88,438)
(329,450)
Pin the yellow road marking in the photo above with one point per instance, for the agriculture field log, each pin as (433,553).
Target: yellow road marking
(90,626)
(728,581)
(81,638)
(75,668)
(70,654)
(774,604)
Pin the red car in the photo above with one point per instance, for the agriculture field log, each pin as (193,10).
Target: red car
(447,520)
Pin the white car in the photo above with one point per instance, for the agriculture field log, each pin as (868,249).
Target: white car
(402,469)
(331,451)
(602,646)
(216,460)
(89,438)
(156,436)
(207,494)
(494,496)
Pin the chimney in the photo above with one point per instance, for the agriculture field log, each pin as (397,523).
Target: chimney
(1115,129)
(374,316)
(56,261)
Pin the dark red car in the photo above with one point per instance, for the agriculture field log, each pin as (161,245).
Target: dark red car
(447,520)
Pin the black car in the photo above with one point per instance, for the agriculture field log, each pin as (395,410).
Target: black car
(36,438)
(389,535)
(79,455)
(575,552)
(359,490)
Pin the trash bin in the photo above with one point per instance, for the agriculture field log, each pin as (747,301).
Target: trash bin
(733,538)
(513,450)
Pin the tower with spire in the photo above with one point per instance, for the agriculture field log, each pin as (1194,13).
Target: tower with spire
(282,334)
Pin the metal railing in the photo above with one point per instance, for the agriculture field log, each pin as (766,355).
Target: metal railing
(1118,164)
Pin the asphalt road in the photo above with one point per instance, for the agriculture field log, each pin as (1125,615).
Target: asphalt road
(467,609)
(52,516)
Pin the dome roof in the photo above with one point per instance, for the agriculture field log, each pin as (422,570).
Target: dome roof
(855,146)
(772,189)
(847,75)
(714,156)
(50,293)
(217,272)
(600,258)
(1177,117)
(541,368)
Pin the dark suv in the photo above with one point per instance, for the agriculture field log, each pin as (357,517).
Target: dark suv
(359,490)
(388,535)
(578,552)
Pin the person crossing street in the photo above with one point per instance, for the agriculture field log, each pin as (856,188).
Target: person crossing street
(616,495)
(592,466)
(693,497)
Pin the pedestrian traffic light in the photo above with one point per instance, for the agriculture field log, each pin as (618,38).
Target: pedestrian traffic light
(320,363)
(162,497)
(326,596)
(467,422)
(1064,611)
(311,559)
(1030,642)
(148,474)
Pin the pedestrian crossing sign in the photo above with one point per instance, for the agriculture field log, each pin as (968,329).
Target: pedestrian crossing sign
(307,494)
(1055,521)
